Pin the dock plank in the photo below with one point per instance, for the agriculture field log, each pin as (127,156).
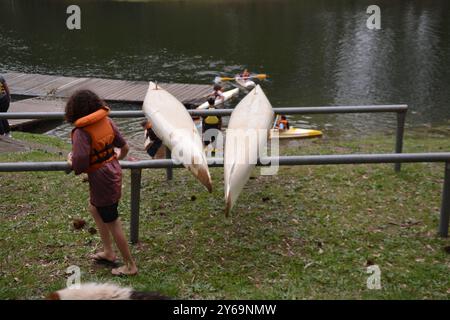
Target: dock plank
(35,105)
(111,90)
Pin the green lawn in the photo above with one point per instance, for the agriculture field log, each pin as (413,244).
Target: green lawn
(307,233)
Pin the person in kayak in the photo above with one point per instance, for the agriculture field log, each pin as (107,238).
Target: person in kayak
(211,125)
(244,75)
(95,140)
(5,99)
(283,123)
(217,94)
(152,142)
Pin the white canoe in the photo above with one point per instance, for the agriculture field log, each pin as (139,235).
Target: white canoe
(175,127)
(247,84)
(252,117)
(227,96)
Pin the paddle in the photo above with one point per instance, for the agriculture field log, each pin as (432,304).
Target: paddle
(275,122)
(258,76)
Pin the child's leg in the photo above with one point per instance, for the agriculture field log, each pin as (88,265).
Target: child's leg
(116,230)
(108,251)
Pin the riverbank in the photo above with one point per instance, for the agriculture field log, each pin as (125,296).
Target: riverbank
(308,233)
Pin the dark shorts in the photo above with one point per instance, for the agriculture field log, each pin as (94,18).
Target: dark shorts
(154,148)
(108,213)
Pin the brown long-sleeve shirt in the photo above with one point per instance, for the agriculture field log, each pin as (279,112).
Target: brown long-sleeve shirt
(105,184)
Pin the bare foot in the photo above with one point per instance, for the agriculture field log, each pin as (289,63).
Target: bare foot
(125,271)
(104,257)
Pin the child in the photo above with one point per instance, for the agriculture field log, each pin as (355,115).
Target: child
(211,122)
(245,75)
(152,142)
(93,141)
(283,124)
(218,93)
(5,99)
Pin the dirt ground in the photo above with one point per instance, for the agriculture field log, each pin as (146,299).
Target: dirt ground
(13,145)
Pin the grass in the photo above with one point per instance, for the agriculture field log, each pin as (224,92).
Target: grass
(307,233)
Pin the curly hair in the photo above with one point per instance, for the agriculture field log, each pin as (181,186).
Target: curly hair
(82,103)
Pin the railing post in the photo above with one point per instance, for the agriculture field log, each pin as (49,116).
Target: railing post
(401,116)
(169,171)
(445,206)
(136,175)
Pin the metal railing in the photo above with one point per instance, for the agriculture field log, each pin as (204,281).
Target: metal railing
(136,167)
(136,174)
(400,110)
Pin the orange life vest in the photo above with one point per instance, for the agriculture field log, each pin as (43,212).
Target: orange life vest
(99,128)
(285,124)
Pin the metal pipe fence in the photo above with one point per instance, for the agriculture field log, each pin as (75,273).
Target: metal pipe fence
(136,174)
(400,110)
(224,112)
(168,164)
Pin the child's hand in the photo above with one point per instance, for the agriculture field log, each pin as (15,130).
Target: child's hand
(69,159)
(117,152)
(122,152)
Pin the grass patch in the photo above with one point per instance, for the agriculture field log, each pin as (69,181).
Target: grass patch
(307,233)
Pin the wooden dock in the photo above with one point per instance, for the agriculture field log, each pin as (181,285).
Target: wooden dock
(38,85)
(34,105)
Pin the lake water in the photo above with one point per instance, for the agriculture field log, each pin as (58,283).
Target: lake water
(316,52)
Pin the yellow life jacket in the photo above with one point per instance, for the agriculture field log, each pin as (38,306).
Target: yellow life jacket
(212,120)
(99,128)
(2,90)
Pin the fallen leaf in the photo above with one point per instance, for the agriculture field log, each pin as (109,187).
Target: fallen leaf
(369,262)
(79,224)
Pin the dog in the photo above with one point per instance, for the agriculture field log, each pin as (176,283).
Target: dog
(104,291)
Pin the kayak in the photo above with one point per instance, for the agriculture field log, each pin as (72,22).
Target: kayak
(174,126)
(227,96)
(247,84)
(295,133)
(253,116)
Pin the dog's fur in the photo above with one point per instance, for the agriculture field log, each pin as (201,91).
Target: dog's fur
(106,291)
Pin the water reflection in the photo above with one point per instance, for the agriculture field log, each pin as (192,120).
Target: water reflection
(317,52)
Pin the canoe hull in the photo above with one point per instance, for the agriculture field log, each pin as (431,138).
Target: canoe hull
(174,126)
(247,84)
(247,134)
(295,133)
(228,95)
